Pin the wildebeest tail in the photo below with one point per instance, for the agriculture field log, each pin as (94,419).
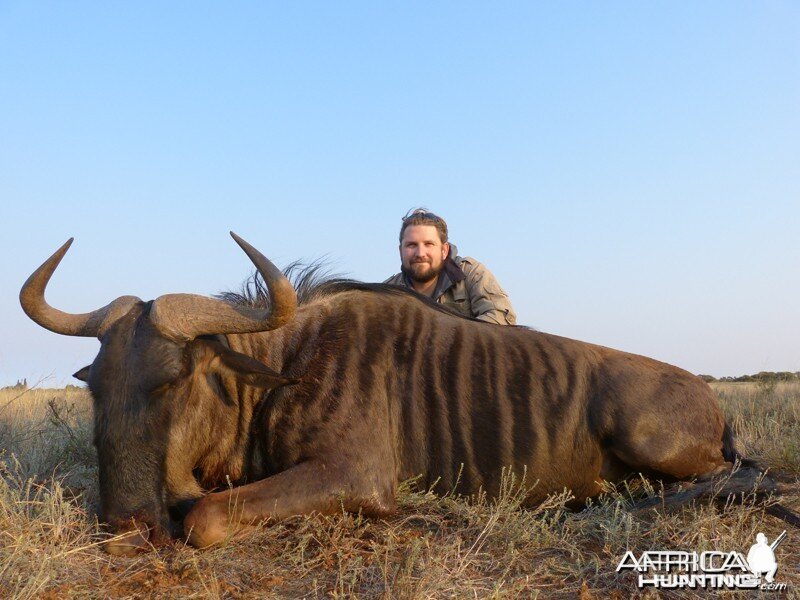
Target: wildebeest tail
(731,454)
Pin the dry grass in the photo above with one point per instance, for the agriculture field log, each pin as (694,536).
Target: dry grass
(435,547)
(766,420)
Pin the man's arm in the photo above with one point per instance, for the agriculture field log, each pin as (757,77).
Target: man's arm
(488,301)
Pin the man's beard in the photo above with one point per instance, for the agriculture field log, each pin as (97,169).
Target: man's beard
(429,275)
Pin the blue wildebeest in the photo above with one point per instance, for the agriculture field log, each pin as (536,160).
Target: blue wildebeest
(329,403)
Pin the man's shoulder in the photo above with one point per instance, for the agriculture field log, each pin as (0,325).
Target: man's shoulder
(396,279)
(469,265)
(478,278)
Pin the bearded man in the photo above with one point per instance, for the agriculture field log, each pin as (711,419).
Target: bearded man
(430,266)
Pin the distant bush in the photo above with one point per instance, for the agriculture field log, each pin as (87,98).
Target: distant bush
(761,377)
(21,385)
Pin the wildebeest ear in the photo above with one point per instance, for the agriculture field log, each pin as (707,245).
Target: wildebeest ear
(252,371)
(83,374)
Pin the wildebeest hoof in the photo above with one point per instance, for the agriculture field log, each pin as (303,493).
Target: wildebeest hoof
(206,524)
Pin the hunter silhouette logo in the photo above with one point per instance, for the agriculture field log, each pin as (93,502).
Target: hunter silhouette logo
(761,558)
(677,569)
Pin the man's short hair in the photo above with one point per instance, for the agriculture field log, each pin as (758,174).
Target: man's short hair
(422,216)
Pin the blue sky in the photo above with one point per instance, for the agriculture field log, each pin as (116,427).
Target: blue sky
(629,171)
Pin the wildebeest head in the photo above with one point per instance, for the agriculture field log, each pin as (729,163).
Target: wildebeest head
(154,366)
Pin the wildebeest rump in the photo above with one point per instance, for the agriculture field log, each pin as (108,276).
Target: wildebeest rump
(332,402)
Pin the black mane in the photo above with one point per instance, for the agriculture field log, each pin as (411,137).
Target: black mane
(307,280)
(315,281)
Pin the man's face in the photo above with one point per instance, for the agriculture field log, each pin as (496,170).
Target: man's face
(422,253)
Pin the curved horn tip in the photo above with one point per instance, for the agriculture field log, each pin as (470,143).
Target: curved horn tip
(50,264)
(244,245)
(56,257)
(62,250)
(238,239)
(65,246)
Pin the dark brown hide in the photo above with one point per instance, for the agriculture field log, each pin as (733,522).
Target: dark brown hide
(385,378)
(368,385)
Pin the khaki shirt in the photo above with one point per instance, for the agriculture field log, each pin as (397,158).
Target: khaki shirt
(478,295)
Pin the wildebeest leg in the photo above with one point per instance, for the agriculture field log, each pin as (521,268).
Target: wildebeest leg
(689,447)
(311,486)
(662,420)
(672,453)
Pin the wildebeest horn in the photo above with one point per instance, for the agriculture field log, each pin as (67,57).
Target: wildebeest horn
(93,324)
(183,317)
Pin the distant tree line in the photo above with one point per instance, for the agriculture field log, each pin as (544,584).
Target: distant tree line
(21,385)
(761,377)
